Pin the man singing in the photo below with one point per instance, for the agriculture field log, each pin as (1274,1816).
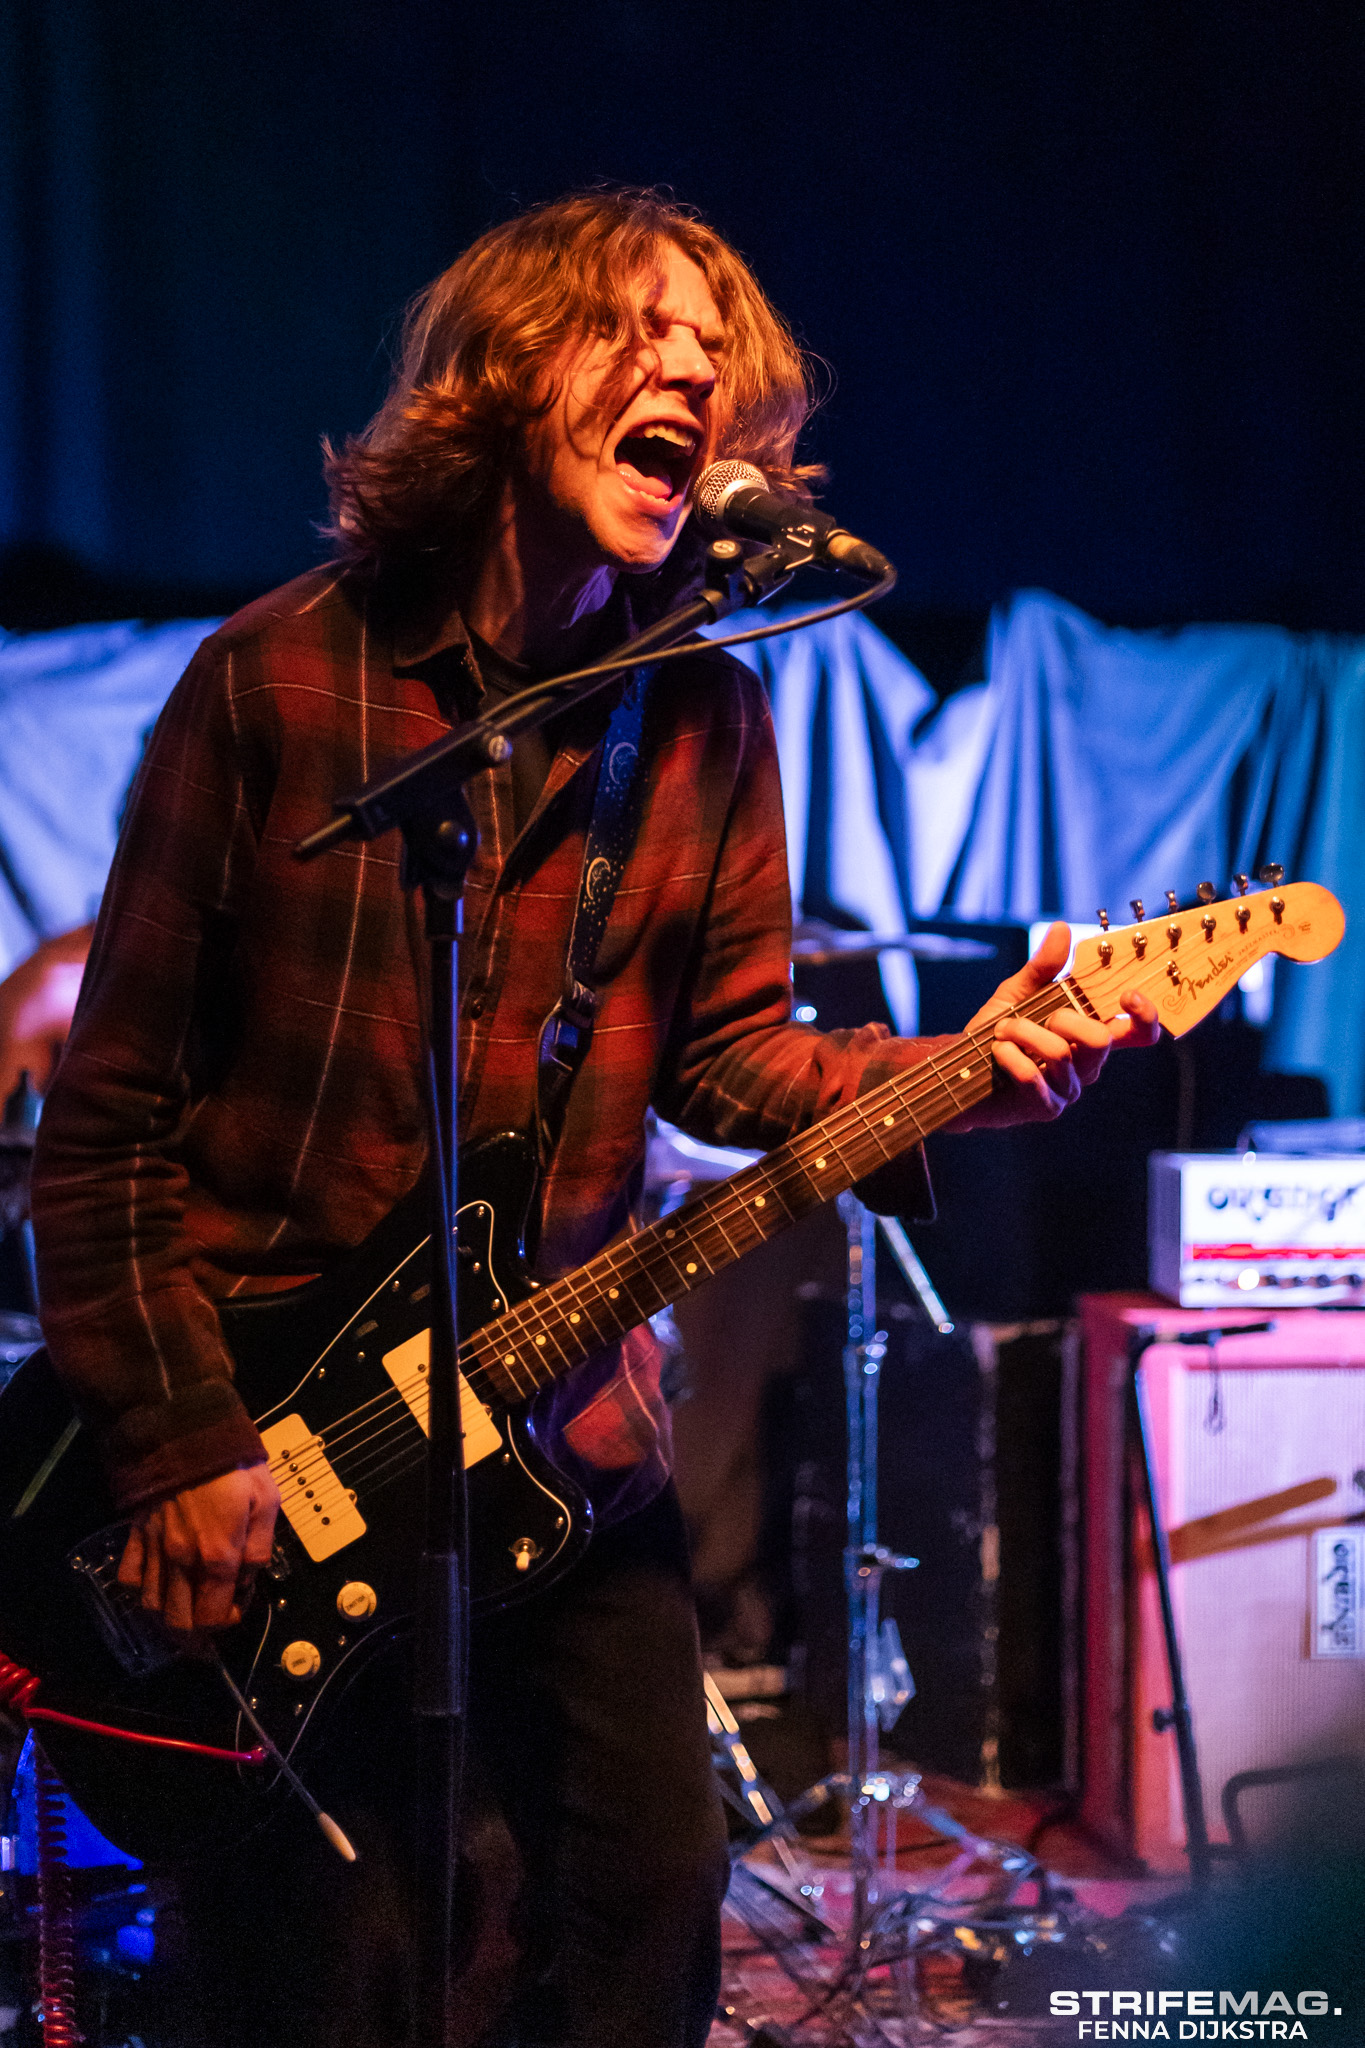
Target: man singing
(240,1101)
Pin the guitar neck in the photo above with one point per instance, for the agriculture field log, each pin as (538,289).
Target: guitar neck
(559,1325)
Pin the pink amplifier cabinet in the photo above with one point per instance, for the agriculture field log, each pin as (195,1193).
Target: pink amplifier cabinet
(1259,1447)
(1224,1228)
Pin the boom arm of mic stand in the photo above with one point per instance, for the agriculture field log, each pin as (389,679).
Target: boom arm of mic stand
(422,780)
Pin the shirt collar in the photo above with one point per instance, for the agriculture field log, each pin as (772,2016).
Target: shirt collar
(427,631)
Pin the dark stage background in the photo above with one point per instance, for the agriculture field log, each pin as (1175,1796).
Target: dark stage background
(1090,276)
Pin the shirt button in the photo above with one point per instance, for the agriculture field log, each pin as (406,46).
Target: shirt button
(476,1006)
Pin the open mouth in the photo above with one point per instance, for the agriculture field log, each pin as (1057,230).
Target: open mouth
(657,459)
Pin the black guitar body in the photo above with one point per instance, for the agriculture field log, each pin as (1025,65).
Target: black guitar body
(334,1375)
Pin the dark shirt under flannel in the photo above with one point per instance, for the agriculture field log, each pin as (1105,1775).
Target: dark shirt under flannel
(240,1100)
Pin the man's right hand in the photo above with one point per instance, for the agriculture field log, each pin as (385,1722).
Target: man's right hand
(194,1556)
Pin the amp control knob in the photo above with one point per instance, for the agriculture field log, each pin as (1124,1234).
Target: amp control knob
(356,1601)
(301,1660)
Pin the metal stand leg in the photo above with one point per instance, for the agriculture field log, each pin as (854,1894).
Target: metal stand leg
(879,1682)
(871,1997)
(1178,1715)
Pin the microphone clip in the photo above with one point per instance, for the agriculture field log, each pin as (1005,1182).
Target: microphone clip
(734,582)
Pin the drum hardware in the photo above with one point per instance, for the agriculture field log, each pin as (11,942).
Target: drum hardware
(994,1901)
(817,944)
(18,1128)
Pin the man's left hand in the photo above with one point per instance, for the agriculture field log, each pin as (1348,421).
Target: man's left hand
(1041,1068)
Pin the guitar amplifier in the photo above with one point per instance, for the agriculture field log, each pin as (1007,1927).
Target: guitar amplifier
(1256,1442)
(1229,1228)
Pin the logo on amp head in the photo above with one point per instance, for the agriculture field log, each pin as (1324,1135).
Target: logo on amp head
(1309,1205)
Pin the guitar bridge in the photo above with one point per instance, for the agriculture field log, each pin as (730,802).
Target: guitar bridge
(137,1640)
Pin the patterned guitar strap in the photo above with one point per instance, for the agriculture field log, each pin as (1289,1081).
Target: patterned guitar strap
(567,1032)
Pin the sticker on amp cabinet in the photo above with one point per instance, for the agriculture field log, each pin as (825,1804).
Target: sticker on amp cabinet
(1337,1592)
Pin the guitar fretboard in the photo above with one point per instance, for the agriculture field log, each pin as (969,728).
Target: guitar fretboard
(560,1325)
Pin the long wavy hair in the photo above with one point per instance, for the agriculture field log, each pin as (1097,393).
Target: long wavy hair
(477,367)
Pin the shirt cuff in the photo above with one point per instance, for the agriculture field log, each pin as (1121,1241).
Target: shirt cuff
(156,1450)
(902,1187)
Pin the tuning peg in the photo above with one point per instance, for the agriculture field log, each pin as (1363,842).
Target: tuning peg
(1206,892)
(1243,883)
(1103,916)
(1272,874)
(1171,903)
(1136,907)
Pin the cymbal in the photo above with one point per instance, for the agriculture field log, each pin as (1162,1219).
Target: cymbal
(817,944)
(673,1156)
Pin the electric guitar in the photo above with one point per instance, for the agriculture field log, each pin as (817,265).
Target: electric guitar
(335,1375)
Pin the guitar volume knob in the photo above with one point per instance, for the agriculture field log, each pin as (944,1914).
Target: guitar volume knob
(300,1660)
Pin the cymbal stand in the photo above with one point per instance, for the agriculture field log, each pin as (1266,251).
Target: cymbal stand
(984,1885)
(879,1681)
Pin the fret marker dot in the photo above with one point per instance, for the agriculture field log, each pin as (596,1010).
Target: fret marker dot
(820,1164)
(670,1233)
(575,1317)
(509,1357)
(613,1294)
(965,1075)
(888,1120)
(760,1201)
(691,1266)
(540,1340)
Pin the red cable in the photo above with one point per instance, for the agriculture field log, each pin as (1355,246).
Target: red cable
(56,1926)
(18,1688)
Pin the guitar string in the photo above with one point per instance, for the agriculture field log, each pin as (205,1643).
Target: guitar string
(344,1448)
(367,1476)
(394,1405)
(642,1259)
(855,1115)
(395,1459)
(646,1261)
(612,1273)
(779,1184)
(513,1329)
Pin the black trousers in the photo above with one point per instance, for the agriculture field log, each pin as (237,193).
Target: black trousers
(595,1847)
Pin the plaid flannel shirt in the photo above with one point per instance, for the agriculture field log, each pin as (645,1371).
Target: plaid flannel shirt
(240,1100)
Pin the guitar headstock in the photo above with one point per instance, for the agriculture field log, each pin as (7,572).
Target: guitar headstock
(1188,960)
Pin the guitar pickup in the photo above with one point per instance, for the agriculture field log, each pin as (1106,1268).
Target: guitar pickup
(321,1512)
(407,1366)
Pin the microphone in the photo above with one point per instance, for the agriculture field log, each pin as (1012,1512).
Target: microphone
(733,498)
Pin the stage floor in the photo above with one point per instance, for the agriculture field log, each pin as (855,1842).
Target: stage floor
(793,1983)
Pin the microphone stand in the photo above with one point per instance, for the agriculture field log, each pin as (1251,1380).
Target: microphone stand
(423,796)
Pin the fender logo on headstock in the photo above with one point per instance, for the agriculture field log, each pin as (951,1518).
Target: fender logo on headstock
(1195,984)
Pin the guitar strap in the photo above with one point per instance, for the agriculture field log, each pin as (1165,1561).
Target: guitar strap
(567,1032)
